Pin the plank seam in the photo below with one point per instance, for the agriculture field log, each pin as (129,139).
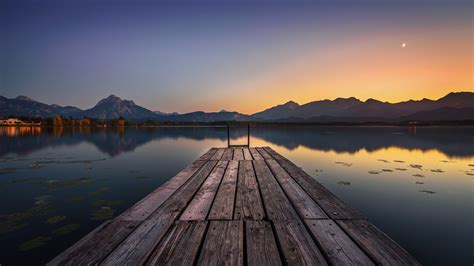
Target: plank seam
(217,189)
(265,217)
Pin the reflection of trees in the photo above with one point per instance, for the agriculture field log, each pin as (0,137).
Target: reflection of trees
(113,141)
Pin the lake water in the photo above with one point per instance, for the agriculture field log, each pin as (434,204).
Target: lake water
(57,184)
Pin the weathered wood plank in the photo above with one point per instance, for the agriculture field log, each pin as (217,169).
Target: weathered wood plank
(255,154)
(218,155)
(141,242)
(260,243)
(199,207)
(304,205)
(248,204)
(224,244)
(96,245)
(333,206)
(223,206)
(142,209)
(264,153)
(207,156)
(228,154)
(337,245)
(238,154)
(297,245)
(380,247)
(247,155)
(180,245)
(276,203)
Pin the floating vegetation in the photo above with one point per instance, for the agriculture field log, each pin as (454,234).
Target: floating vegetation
(470,165)
(14,221)
(345,183)
(142,177)
(344,164)
(387,170)
(108,203)
(64,230)
(427,191)
(34,166)
(374,172)
(383,160)
(398,161)
(419,183)
(62,184)
(437,171)
(100,191)
(416,166)
(469,173)
(55,219)
(400,169)
(42,199)
(418,175)
(103,213)
(318,170)
(78,198)
(34,243)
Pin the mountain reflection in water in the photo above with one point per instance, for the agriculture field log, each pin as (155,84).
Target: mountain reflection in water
(451,141)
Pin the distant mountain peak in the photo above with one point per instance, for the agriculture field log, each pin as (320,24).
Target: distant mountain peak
(24,98)
(291,104)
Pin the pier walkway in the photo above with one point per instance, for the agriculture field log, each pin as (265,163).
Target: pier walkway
(238,206)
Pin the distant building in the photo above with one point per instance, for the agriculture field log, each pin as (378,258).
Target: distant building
(17,122)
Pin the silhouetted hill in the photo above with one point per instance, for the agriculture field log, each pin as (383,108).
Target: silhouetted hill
(24,106)
(114,107)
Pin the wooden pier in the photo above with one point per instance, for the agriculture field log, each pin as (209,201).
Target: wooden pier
(238,206)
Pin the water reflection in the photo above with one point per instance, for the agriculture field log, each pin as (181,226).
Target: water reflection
(453,142)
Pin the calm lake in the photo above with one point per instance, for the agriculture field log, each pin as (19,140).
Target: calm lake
(57,184)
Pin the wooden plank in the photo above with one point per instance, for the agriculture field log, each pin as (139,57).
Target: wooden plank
(248,204)
(199,207)
(260,242)
(332,205)
(297,245)
(228,154)
(223,206)
(181,244)
(141,242)
(255,154)
(142,209)
(304,205)
(95,246)
(247,155)
(380,247)
(276,203)
(264,153)
(218,155)
(337,245)
(238,154)
(207,156)
(224,244)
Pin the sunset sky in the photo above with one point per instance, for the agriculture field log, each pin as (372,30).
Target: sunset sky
(234,55)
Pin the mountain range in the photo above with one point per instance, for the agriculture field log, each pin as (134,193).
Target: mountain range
(453,106)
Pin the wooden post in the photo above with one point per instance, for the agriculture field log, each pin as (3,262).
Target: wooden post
(228,136)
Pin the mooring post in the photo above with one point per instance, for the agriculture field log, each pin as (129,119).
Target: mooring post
(228,136)
(248,135)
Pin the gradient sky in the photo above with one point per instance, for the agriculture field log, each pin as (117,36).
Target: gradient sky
(234,55)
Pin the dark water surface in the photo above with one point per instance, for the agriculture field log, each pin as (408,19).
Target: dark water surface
(416,184)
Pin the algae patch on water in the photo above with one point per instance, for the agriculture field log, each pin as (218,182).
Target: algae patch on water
(100,191)
(62,184)
(33,243)
(103,213)
(64,230)
(14,221)
(55,219)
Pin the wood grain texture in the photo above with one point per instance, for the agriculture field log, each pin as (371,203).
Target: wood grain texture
(255,154)
(336,244)
(96,245)
(247,155)
(223,206)
(261,246)
(297,245)
(228,155)
(238,154)
(333,206)
(224,244)
(200,205)
(180,245)
(264,153)
(277,205)
(141,242)
(248,204)
(218,155)
(380,247)
(304,205)
(207,156)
